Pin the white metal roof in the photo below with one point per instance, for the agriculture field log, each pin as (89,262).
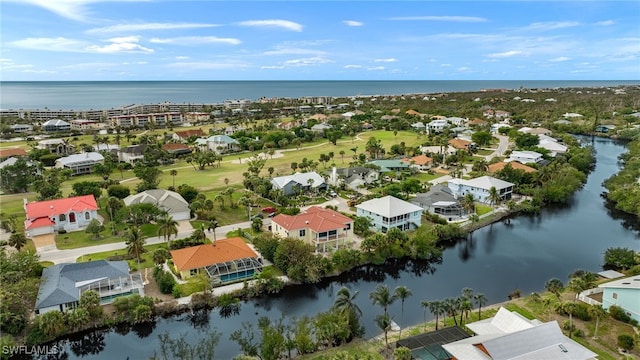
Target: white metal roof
(632,282)
(388,206)
(483,182)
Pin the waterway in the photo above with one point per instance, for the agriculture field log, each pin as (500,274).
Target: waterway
(499,259)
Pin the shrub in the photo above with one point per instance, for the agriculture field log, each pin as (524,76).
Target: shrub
(119,191)
(619,314)
(626,342)
(582,311)
(165,280)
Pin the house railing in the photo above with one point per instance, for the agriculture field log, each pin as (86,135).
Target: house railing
(331,237)
(584,296)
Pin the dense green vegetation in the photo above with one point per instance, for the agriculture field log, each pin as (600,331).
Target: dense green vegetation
(623,187)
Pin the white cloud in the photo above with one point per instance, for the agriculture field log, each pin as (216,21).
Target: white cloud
(125,39)
(560,59)
(605,23)
(507,54)
(551,25)
(469,19)
(204,65)
(353,23)
(376,68)
(445,65)
(74,10)
(124,47)
(195,40)
(149,26)
(51,44)
(294,51)
(271,67)
(352,66)
(182,57)
(285,24)
(464,69)
(308,61)
(389,60)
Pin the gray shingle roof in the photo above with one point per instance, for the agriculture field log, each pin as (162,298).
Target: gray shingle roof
(167,200)
(58,284)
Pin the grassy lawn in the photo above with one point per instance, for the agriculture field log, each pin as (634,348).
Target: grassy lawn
(425,177)
(146,260)
(484,152)
(482,209)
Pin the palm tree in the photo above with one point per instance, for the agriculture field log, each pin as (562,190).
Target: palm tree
(342,155)
(480,299)
(402,293)
(167,226)
(426,305)
(596,311)
(346,306)
(213,224)
(382,296)
(468,202)
(494,196)
(135,243)
(435,307)
(219,198)
(173,174)
(554,286)
(569,308)
(17,240)
(384,323)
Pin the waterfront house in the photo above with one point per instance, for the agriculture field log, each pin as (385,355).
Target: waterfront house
(535,131)
(45,217)
(325,229)
(389,212)
(480,188)
(299,182)
(56,125)
(551,144)
(441,201)
(509,335)
(499,166)
(354,177)
(224,261)
(62,285)
(80,164)
(624,293)
(170,201)
(524,157)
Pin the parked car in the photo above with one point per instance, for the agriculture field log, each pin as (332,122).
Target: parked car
(333,194)
(257,216)
(269,209)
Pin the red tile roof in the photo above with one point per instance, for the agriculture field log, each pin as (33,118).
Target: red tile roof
(418,160)
(39,222)
(460,144)
(315,218)
(48,208)
(5,153)
(197,257)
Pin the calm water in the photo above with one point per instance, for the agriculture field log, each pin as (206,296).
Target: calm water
(100,95)
(500,259)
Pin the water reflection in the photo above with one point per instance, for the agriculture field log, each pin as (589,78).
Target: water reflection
(90,344)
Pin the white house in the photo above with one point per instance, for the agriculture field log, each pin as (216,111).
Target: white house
(80,164)
(480,188)
(171,202)
(289,184)
(437,125)
(390,212)
(549,143)
(46,217)
(219,143)
(524,157)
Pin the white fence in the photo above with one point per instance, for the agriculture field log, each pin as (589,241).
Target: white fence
(584,296)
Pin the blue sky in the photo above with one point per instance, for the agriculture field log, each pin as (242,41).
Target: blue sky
(324,40)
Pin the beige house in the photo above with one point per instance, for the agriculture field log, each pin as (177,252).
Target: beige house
(324,228)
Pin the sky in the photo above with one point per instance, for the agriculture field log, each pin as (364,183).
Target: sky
(86,40)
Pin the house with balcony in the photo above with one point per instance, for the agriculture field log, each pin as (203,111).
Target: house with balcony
(354,177)
(390,212)
(131,154)
(480,188)
(219,144)
(46,217)
(56,146)
(80,164)
(440,200)
(56,125)
(63,284)
(325,229)
(224,261)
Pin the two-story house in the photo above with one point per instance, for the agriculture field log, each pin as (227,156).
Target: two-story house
(325,229)
(389,212)
(45,217)
(624,293)
(480,188)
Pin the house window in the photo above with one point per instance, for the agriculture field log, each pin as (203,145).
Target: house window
(348,227)
(614,295)
(303,232)
(62,217)
(72,217)
(87,216)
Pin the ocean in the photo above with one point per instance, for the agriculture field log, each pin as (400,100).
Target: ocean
(102,95)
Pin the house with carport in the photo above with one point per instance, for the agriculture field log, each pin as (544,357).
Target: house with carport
(80,164)
(62,285)
(323,228)
(524,157)
(390,212)
(170,201)
(46,217)
(224,261)
(299,182)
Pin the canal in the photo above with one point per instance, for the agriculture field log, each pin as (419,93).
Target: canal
(499,259)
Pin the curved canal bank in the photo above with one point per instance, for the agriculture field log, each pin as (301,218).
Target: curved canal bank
(498,259)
